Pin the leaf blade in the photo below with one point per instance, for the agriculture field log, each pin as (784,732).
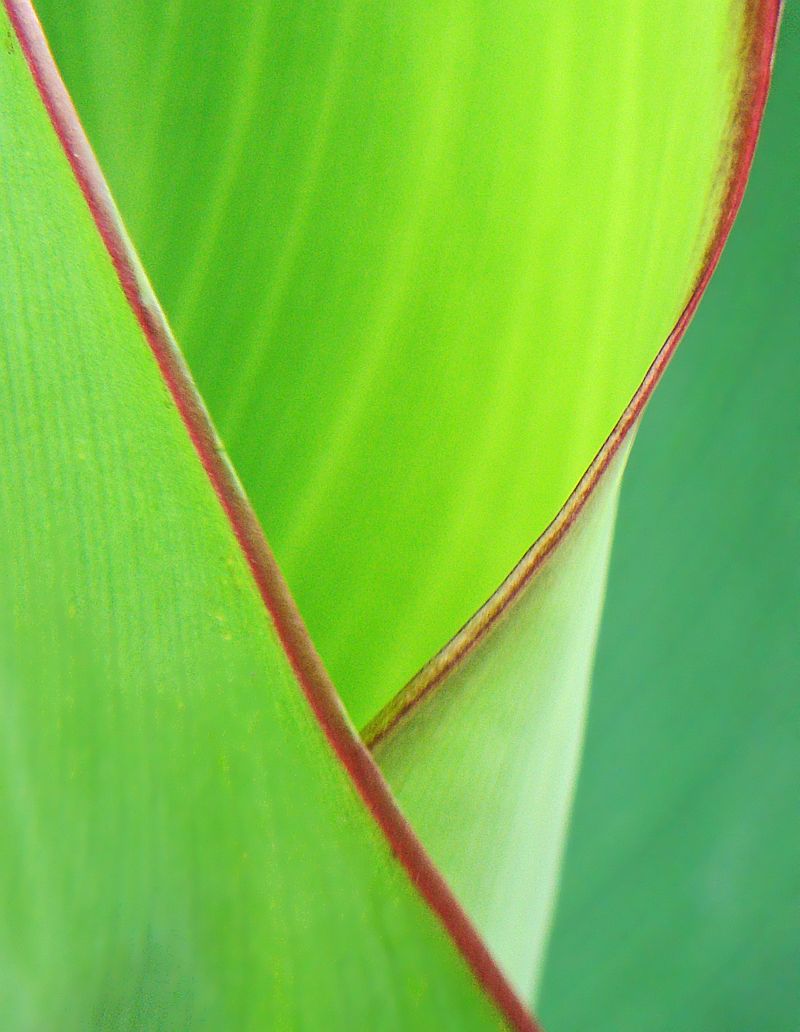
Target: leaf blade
(152,766)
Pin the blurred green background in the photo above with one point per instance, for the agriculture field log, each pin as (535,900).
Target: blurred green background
(680,903)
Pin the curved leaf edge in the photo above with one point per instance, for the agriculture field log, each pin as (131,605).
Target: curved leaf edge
(283,613)
(762,20)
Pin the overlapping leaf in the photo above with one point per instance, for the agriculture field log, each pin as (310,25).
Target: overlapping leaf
(181,847)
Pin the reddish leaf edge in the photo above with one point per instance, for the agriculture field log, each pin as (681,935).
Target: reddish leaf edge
(308,668)
(762,20)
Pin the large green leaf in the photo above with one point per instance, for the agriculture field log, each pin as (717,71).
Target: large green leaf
(680,905)
(184,844)
(419,257)
(481,749)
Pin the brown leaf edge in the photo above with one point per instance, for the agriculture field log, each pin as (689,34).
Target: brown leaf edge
(762,19)
(306,664)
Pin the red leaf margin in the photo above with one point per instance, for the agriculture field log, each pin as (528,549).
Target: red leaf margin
(762,18)
(294,638)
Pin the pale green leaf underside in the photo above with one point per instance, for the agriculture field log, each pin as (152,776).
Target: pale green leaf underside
(180,849)
(486,765)
(418,255)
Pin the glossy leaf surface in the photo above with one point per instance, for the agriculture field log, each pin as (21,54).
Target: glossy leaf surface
(419,257)
(181,847)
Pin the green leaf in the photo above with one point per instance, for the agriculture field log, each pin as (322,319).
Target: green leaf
(419,255)
(185,837)
(421,259)
(679,903)
(482,748)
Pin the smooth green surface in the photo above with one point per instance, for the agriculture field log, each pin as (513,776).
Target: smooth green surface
(680,905)
(418,256)
(485,766)
(179,849)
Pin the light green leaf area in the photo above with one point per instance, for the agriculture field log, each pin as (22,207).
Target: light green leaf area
(180,848)
(418,255)
(485,764)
